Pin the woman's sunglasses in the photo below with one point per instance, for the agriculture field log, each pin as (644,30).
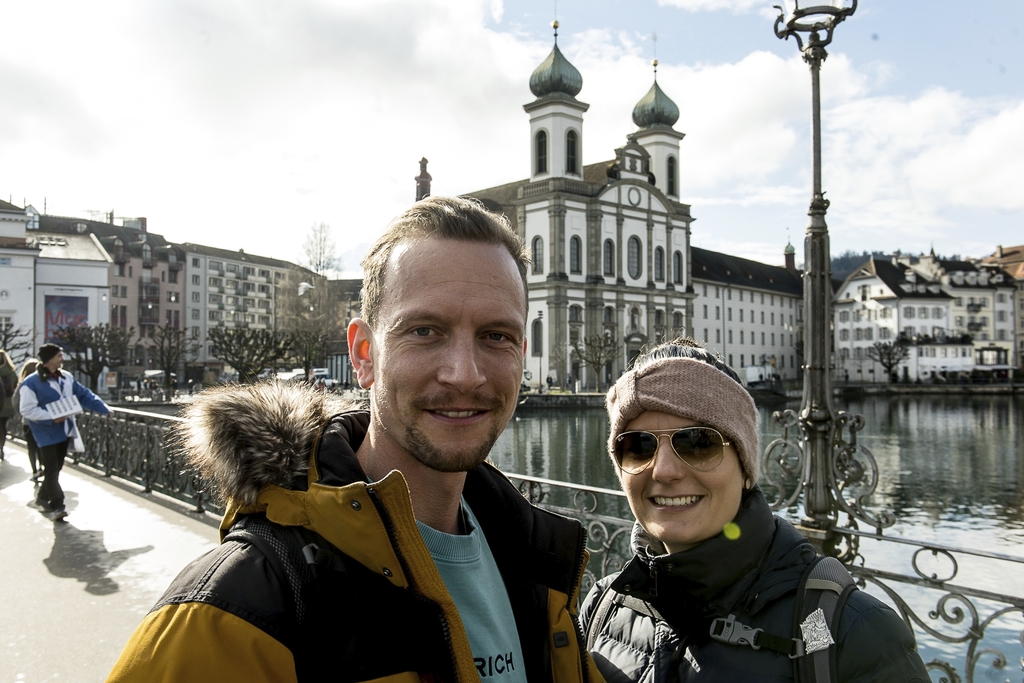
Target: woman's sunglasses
(702,448)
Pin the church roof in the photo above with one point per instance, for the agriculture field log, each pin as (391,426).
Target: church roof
(655,109)
(556,75)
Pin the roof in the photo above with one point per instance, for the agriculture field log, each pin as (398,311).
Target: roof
(239,255)
(108,234)
(1010,258)
(740,272)
(7,206)
(71,247)
(894,277)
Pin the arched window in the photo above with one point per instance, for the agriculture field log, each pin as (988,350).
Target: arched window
(147,253)
(659,264)
(575,247)
(541,152)
(609,315)
(537,338)
(671,174)
(575,314)
(538,254)
(609,257)
(677,267)
(571,155)
(633,258)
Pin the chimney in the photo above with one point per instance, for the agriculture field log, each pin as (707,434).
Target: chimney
(142,223)
(423,181)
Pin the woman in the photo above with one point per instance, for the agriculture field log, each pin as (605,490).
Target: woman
(8,383)
(709,555)
(27,368)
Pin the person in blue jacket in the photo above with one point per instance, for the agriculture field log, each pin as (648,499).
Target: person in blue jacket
(48,384)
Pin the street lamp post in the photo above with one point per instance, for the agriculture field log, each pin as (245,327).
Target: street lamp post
(827,464)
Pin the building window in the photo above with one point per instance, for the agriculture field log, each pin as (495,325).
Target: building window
(575,247)
(571,153)
(575,314)
(633,257)
(659,264)
(541,153)
(908,312)
(195,263)
(634,320)
(195,297)
(609,315)
(705,311)
(677,320)
(609,257)
(195,314)
(671,175)
(677,270)
(538,255)
(537,338)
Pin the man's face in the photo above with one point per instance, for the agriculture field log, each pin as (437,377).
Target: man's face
(446,356)
(55,363)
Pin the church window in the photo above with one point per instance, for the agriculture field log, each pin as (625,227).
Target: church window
(609,315)
(659,318)
(659,264)
(609,257)
(571,154)
(677,270)
(677,322)
(538,255)
(634,257)
(670,173)
(575,314)
(537,338)
(541,152)
(575,246)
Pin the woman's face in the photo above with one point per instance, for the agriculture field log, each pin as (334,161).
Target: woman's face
(675,503)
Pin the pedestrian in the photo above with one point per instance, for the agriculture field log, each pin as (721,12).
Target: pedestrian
(27,368)
(8,385)
(713,590)
(380,544)
(49,384)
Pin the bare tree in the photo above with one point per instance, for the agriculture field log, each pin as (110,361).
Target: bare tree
(318,251)
(889,355)
(248,350)
(596,352)
(171,346)
(14,339)
(90,348)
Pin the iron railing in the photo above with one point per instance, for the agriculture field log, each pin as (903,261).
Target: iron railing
(925,582)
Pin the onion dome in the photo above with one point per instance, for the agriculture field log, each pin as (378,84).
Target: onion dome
(789,249)
(556,74)
(655,108)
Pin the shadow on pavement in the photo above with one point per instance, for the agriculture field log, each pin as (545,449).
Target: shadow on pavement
(81,555)
(11,474)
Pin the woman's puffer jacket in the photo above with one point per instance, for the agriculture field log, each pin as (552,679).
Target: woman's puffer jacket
(661,632)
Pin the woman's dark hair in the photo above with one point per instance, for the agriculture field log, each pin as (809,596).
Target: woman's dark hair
(685,347)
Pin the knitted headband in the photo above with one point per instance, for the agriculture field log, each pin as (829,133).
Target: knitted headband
(693,389)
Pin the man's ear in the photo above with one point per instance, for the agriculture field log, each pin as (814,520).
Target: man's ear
(360,338)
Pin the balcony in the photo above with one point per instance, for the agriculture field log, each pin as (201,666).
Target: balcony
(149,291)
(149,314)
(975,327)
(974,308)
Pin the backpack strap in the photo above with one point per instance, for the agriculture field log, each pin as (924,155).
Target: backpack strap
(824,590)
(610,598)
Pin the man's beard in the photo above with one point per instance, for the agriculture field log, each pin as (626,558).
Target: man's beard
(421,448)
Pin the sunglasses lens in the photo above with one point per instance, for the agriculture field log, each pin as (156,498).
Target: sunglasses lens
(701,448)
(635,450)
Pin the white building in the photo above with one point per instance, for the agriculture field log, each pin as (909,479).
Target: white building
(1011,260)
(750,312)
(17,277)
(609,240)
(71,283)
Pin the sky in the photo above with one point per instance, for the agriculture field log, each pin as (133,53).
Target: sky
(242,123)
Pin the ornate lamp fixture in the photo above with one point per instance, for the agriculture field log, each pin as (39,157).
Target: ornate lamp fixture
(832,473)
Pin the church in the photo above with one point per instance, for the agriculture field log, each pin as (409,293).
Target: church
(610,241)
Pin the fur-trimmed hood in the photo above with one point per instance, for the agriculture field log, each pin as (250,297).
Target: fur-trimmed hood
(245,437)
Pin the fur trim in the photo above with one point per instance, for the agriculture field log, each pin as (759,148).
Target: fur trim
(245,437)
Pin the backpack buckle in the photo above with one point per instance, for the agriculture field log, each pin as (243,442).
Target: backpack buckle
(728,630)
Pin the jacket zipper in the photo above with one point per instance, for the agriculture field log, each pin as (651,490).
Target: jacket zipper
(389,527)
(577,579)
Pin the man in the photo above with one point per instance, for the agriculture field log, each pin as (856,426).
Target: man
(364,546)
(53,435)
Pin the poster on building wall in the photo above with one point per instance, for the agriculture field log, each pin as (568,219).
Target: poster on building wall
(65,311)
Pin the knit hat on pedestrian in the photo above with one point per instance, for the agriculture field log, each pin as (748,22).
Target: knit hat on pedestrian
(48,351)
(693,389)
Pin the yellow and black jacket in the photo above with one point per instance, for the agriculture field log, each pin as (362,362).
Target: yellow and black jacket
(370,606)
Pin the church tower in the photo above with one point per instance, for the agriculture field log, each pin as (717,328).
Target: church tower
(556,118)
(655,114)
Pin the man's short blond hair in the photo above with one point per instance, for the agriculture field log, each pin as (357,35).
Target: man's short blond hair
(448,218)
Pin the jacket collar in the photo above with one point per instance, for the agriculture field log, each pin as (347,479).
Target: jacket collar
(712,577)
(46,375)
